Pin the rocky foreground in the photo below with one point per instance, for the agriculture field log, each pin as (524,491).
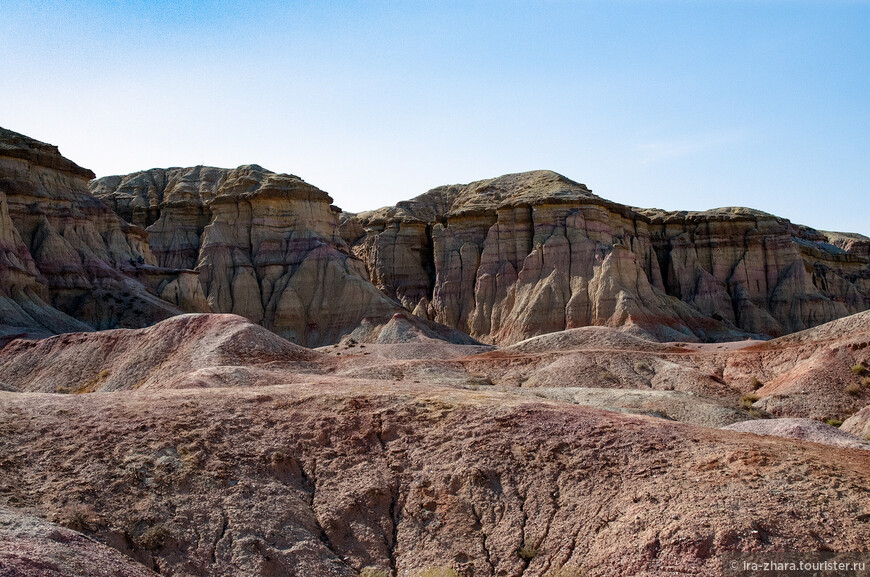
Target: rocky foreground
(242,454)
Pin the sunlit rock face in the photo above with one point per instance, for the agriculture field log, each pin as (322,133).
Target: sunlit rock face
(67,261)
(526,254)
(265,246)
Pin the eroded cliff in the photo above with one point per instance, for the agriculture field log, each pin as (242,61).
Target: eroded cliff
(527,254)
(67,262)
(266,246)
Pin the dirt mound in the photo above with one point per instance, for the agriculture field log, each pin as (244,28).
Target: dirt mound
(803,429)
(166,355)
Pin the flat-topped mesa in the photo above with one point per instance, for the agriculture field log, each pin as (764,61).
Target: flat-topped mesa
(525,254)
(67,255)
(266,246)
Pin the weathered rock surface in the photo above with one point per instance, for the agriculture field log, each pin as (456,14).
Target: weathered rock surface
(858,424)
(671,405)
(32,547)
(322,479)
(804,429)
(527,254)
(67,262)
(266,246)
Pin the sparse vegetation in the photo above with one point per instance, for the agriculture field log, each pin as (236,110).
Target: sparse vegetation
(373,572)
(607,376)
(866,382)
(755,384)
(439,572)
(641,367)
(747,400)
(834,422)
(154,537)
(853,389)
(527,552)
(480,381)
(77,518)
(860,369)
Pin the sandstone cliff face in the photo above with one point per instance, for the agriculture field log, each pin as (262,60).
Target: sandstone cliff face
(532,253)
(64,255)
(265,246)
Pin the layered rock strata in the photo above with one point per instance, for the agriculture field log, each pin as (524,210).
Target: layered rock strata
(527,254)
(67,262)
(266,246)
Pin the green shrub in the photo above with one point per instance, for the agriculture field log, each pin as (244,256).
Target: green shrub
(77,518)
(154,537)
(373,572)
(853,389)
(834,422)
(859,369)
(755,383)
(747,400)
(527,552)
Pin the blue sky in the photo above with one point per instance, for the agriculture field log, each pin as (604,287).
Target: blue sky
(678,105)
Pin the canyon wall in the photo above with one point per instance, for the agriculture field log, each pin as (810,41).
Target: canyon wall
(526,254)
(67,262)
(265,246)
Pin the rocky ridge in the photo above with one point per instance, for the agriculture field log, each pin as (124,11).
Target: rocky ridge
(526,254)
(67,262)
(265,246)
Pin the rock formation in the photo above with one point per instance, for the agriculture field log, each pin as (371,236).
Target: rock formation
(266,246)
(67,262)
(532,253)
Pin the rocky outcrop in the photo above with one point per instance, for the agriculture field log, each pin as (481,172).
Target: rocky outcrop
(265,246)
(67,262)
(804,429)
(532,253)
(32,547)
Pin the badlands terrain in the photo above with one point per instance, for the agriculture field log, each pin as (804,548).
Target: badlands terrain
(216,372)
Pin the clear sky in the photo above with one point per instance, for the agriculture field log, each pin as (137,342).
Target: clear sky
(672,104)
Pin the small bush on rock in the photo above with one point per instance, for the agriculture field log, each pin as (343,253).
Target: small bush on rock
(859,369)
(527,552)
(747,400)
(154,537)
(853,389)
